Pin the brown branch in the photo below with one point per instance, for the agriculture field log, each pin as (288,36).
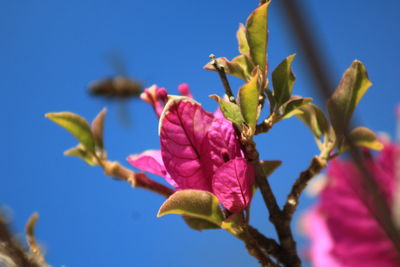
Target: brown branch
(141,180)
(276,216)
(263,127)
(316,166)
(269,245)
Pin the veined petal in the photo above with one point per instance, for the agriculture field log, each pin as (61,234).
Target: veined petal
(151,161)
(183,129)
(222,144)
(232,184)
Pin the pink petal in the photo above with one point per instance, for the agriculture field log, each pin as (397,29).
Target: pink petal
(232,184)
(222,144)
(183,128)
(151,161)
(358,238)
(320,251)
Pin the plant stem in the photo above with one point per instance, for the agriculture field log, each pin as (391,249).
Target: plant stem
(316,166)
(222,75)
(140,179)
(268,244)
(276,216)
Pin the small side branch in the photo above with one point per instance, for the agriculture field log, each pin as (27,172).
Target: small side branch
(117,171)
(222,75)
(316,166)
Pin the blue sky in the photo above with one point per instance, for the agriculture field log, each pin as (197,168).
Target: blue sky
(50,51)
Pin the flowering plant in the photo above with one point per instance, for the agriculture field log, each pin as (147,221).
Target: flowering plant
(211,159)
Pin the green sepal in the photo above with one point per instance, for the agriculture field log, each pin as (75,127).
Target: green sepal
(257,36)
(195,203)
(315,119)
(249,100)
(364,137)
(283,80)
(230,110)
(199,224)
(76,125)
(81,152)
(352,87)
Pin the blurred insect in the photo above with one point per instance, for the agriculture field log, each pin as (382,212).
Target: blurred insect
(118,88)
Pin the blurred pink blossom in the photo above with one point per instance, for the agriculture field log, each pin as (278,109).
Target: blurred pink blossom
(199,150)
(342,227)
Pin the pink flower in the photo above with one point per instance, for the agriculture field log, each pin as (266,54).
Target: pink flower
(199,150)
(342,227)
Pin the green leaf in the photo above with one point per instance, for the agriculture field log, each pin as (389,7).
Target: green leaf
(76,125)
(245,63)
(291,107)
(195,203)
(199,224)
(242,40)
(98,128)
(347,95)
(315,119)
(231,68)
(257,35)
(230,110)
(81,152)
(283,80)
(269,166)
(248,101)
(364,137)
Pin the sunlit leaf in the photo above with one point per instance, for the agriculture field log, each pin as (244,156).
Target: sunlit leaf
(315,119)
(257,35)
(98,128)
(195,203)
(245,63)
(242,40)
(248,101)
(199,224)
(230,110)
(347,95)
(283,80)
(81,152)
(291,107)
(76,125)
(364,137)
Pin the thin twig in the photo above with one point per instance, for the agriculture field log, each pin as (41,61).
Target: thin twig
(141,180)
(222,75)
(317,165)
